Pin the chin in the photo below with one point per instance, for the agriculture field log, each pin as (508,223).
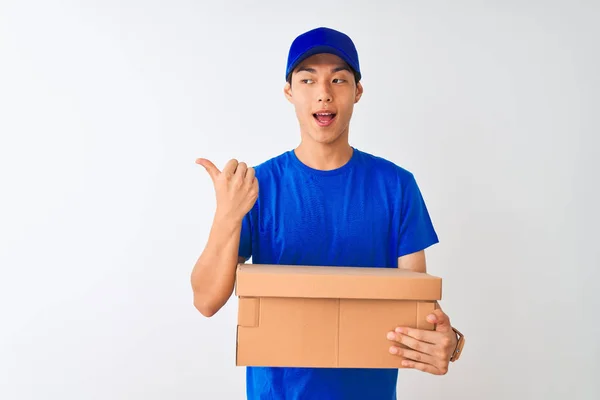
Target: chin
(325,138)
(322,135)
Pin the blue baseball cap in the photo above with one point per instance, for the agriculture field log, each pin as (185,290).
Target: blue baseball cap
(322,40)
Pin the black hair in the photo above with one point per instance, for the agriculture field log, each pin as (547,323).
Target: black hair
(356,78)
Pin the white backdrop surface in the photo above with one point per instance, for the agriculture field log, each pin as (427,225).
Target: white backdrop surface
(105,105)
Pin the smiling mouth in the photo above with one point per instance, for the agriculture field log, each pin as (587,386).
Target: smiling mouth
(324,119)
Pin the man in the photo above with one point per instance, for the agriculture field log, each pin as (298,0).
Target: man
(323,203)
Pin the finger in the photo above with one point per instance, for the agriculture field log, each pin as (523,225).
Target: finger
(420,334)
(412,355)
(240,171)
(250,174)
(424,367)
(255,185)
(441,321)
(230,167)
(412,343)
(212,170)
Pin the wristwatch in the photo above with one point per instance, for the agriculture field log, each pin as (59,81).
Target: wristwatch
(459,345)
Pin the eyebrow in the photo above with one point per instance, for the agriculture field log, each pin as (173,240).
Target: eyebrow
(336,69)
(341,68)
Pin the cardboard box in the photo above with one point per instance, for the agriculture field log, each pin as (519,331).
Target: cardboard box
(313,316)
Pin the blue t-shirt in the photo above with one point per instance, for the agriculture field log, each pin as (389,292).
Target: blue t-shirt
(366,213)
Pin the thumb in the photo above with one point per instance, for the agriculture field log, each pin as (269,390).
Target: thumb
(441,321)
(212,170)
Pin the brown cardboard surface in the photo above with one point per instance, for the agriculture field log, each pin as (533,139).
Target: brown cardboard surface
(301,316)
(335,282)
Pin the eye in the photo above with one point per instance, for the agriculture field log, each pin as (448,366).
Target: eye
(339,80)
(306,81)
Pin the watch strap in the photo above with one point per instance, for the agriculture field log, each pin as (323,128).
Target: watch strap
(459,345)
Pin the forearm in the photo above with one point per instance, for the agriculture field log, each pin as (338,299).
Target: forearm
(213,276)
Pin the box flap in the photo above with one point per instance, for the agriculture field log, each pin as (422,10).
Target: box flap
(263,280)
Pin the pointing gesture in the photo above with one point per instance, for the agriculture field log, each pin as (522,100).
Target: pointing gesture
(236,188)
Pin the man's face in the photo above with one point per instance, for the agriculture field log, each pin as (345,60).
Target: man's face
(323,91)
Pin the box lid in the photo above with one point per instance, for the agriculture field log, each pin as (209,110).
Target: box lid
(264,280)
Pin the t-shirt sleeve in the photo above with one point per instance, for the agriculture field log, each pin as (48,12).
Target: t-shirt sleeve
(245,249)
(416,229)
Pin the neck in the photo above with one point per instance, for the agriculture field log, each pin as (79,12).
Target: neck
(324,157)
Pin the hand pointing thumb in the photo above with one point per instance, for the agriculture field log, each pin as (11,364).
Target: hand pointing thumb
(212,170)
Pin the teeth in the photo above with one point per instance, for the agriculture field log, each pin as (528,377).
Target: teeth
(324,113)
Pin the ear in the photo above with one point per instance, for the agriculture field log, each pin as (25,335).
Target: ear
(287,90)
(359,92)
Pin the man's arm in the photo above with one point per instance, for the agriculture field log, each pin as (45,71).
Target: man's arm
(426,350)
(413,262)
(213,276)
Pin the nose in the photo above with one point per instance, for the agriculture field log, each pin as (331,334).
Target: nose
(325,95)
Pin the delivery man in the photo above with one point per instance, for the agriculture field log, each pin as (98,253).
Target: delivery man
(322,203)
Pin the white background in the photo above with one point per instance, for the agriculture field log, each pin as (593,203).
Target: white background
(105,105)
